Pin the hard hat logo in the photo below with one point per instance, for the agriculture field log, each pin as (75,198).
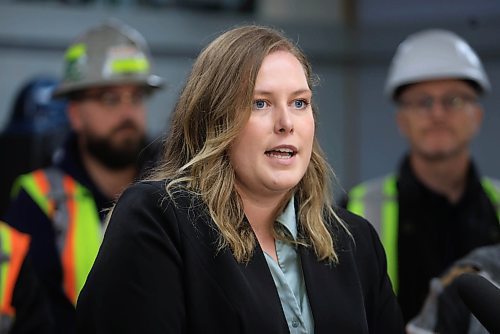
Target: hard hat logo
(125,60)
(75,57)
(107,55)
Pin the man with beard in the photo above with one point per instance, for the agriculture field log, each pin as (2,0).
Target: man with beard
(437,208)
(107,80)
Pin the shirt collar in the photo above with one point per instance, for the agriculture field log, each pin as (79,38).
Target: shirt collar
(287,218)
(413,186)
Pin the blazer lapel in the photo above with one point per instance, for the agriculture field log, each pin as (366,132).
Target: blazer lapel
(249,285)
(258,275)
(334,294)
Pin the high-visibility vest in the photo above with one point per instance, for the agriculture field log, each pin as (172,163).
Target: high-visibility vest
(13,248)
(72,209)
(377,201)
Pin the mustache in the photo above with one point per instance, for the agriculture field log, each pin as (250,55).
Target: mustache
(125,125)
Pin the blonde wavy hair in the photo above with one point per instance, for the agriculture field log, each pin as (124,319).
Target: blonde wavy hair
(213,107)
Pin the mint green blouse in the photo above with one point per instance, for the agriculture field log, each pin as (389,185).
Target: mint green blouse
(289,278)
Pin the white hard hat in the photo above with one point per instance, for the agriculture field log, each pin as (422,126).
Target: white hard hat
(434,54)
(112,53)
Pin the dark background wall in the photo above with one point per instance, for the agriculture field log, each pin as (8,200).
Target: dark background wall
(350,44)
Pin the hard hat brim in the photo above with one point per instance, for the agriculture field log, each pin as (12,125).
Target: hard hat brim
(65,89)
(481,80)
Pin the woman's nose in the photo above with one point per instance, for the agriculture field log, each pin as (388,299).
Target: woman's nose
(283,123)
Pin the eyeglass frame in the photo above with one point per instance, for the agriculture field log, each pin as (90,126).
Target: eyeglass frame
(137,98)
(424,105)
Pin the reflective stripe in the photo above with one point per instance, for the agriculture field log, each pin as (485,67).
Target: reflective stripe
(14,246)
(492,189)
(75,220)
(75,51)
(376,200)
(4,269)
(38,181)
(57,194)
(134,65)
(356,204)
(390,228)
(87,247)
(68,254)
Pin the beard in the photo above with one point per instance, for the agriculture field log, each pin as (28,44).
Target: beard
(117,156)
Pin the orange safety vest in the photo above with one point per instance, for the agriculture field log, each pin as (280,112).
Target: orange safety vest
(77,225)
(13,248)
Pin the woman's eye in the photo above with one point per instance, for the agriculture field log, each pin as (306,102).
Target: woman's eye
(300,104)
(260,104)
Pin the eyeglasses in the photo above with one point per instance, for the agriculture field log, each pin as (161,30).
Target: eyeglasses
(449,103)
(113,99)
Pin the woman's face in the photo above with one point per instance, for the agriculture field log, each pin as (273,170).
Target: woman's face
(271,154)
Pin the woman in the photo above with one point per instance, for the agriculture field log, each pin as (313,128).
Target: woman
(235,232)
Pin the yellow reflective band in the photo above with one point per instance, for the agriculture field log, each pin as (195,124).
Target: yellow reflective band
(75,51)
(389,229)
(6,250)
(28,183)
(492,193)
(133,65)
(88,236)
(355,203)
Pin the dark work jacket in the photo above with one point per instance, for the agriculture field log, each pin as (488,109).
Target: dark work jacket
(32,312)
(26,216)
(433,233)
(158,271)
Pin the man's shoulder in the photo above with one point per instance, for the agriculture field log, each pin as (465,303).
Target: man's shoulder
(380,184)
(375,180)
(44,180)
(49,170)
(361,232)
(493,181)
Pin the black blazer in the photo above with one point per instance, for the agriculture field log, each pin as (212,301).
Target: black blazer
(158,272)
